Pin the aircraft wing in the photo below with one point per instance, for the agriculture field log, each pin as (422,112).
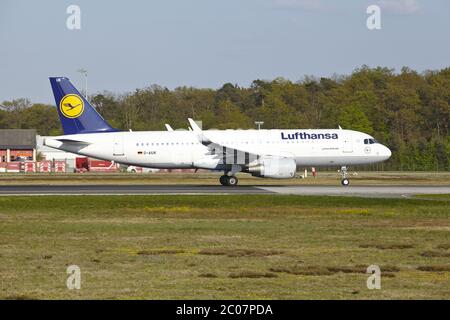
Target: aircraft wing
(228,154)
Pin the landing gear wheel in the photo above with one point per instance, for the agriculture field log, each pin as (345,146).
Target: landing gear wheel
(223,180)
(232,181)
(345,182)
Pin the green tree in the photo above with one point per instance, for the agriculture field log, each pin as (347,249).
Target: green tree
(352,117)
(230,116)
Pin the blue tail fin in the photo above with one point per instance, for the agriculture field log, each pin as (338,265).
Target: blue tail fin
(75,112)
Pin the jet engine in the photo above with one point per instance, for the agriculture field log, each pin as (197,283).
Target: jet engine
(277,168)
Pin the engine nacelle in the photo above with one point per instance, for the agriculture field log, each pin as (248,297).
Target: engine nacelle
(277,168)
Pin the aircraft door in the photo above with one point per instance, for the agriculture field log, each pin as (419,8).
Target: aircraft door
(347,144)
(118,148)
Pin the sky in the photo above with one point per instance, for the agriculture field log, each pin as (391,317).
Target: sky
(132,44)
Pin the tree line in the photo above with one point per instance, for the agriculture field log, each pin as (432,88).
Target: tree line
(406,110)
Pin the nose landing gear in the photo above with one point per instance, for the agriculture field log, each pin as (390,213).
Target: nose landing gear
(345,181)
(226,180)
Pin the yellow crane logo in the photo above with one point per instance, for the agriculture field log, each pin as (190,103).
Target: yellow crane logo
(71,106)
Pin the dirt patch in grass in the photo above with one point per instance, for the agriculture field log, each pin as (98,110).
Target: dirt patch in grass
(240,252)
(389,269)
(321,270)
(252,274)
(435,254)
(159,251)
(348,269)
(20,297)
(388,275)
(387,246)
(304,270)
(207,275)
(220,238)
(435,268)
(429,228)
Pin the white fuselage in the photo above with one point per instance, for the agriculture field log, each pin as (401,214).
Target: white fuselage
(184,149)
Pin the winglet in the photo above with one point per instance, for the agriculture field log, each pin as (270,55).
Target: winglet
(198,132)
(168,127)
(194,125)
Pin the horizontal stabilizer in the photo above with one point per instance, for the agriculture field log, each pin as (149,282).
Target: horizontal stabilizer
(71,141)
(57,143)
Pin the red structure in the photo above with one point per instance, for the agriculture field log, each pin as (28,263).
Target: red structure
(60,166)
(17,145)
(92,165)
(45,166)
(29,166)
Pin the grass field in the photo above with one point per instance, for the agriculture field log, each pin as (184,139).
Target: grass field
(206,178)
(224,247)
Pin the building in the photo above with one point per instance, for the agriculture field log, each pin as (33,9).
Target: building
(17,145)
(47,153)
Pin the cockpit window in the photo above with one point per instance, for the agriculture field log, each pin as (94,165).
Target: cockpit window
(370,141)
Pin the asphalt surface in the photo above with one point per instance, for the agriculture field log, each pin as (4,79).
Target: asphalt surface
(362,191)
(124,189)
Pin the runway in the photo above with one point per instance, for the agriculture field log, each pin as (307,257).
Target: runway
(123,189)
(109,189)
(361,191)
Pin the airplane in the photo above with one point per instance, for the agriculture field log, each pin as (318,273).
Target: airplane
(275,153)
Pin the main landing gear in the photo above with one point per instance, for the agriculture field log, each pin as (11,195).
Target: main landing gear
(345,181)
(226,180)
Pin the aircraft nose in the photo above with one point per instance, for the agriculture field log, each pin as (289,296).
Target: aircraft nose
(386,152)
